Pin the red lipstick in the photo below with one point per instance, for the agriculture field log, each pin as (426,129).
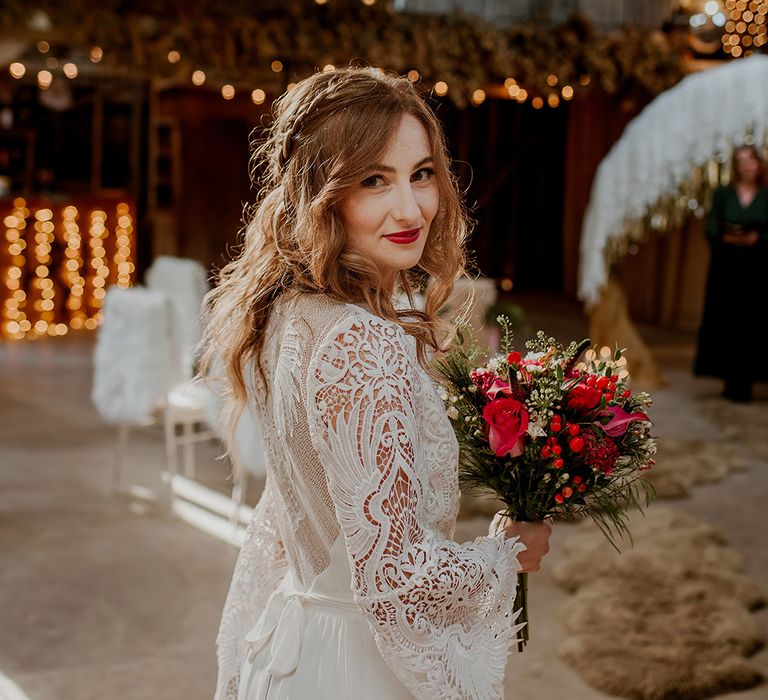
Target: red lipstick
(404,236)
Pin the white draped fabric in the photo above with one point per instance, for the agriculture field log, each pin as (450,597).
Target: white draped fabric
(133,360)
(185,283)
(701,118)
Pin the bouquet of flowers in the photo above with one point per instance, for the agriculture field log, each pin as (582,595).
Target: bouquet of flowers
(548,434)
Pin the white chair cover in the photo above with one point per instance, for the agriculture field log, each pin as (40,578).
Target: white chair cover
(133,365)
(185,282)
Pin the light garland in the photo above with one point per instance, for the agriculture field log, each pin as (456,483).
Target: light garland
(73,267)
(123,264)
(42,289)
(97,265)
(244,53)
(44,295)
(15,322)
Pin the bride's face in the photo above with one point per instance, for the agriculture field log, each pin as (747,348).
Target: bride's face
(388,214)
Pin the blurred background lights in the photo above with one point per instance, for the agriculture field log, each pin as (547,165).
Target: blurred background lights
(44,79)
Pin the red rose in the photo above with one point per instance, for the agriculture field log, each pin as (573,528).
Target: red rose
(514,358)
(507,422)
(583,397)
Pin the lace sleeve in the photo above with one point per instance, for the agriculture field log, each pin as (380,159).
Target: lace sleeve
(260,566)
(440,611)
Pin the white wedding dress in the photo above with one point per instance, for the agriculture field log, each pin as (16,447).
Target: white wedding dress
(349,585)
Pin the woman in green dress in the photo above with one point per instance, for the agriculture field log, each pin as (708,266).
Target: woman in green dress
(737,293)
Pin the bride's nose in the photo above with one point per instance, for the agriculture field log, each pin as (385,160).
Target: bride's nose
(405,208)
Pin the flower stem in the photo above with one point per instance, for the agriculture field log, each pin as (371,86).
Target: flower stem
(521,603)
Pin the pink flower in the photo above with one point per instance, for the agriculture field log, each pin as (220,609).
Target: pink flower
(620,420)
(507,422)
(489,384)
(499,386)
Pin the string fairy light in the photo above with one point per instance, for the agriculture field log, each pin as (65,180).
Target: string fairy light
(746,27)
(98,268)
(41,286)
(15,322)
(441,88)
(73,266)
(122,257)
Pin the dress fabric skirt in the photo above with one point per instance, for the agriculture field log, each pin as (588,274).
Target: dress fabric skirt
(316,644)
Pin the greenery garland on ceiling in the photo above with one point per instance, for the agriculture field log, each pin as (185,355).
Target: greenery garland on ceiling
(234,43)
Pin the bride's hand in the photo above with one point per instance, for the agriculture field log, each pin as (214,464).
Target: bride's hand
(535,536)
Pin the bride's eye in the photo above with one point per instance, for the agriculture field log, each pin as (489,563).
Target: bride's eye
(372,181)
(423,175)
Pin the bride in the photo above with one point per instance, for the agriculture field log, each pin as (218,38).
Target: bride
(349,584)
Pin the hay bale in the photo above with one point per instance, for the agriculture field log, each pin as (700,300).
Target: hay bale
(667,619)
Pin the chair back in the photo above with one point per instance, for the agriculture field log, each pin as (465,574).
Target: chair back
(185,283)
(133,359)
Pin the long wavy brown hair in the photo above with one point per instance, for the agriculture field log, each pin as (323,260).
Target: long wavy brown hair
(761,177)
(326,134)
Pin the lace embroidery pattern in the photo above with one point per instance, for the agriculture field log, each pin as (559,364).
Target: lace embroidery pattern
(260,566)
(440,611)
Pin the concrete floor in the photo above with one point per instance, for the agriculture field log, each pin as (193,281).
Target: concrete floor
(105,596)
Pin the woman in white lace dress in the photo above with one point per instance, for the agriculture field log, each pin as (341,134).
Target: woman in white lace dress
(349,585)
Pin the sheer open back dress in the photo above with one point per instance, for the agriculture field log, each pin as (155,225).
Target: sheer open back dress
(349,585)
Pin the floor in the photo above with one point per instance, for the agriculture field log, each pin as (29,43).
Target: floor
(110,596)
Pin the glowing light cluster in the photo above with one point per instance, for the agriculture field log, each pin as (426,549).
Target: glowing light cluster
(745,27)
(73,267)
(123,235)
(97,265)
(45,292)
(42,288)
(15,321)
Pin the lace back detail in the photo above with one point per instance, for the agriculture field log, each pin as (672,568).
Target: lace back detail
(358,441)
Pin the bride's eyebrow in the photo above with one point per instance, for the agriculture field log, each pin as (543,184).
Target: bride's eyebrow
(379,168)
